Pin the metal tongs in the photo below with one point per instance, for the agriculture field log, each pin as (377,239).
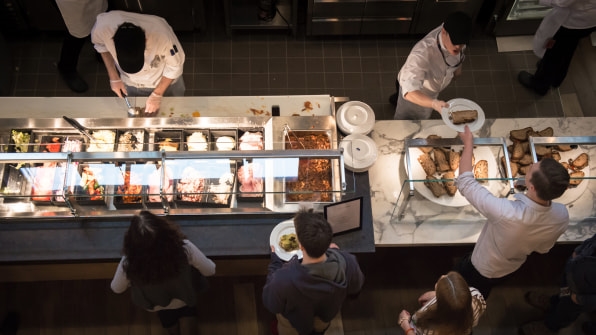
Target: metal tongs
(289,134)
(79,127)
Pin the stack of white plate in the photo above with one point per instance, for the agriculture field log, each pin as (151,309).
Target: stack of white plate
(355,117)
(360,152)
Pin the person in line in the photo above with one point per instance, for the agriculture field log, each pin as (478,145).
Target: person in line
(142,55)
(79,17)
(555,42)
(430,67)
(307,294)
(514,228)
(158,265)
(577,293)
(452,308)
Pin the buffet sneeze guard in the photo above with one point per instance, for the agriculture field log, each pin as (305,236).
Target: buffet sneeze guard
(175,166)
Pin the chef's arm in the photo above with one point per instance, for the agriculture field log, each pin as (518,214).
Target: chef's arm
(154,101)
(116,83)
(421,99)
(163,85)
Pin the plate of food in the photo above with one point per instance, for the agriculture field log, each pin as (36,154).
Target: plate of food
(462,112)
(432,163)
(572,157)
(283,238)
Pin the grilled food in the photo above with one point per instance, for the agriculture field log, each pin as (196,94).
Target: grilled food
(464,116)
(438,189)
(449,184)
(577,174)
(580,162)
(481,169)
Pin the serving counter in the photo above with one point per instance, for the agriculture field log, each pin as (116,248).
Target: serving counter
(68,224)
(402,218)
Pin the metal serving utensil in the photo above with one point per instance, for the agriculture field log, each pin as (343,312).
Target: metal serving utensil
(132,111)
(79,127)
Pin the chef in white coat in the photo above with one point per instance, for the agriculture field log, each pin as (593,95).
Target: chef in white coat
(556,39)
(142,55)
(430,67)
(79,17)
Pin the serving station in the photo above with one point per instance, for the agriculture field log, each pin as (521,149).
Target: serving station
(408,210)
(68,192)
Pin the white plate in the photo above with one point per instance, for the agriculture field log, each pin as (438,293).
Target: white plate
(458,200)
(458,105)
(360,152)
(283,228)
(355,117)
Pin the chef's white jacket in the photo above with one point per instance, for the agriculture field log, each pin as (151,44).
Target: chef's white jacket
(79,15)
(571,14)
(163,53)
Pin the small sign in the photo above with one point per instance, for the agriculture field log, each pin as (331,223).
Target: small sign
(344,216)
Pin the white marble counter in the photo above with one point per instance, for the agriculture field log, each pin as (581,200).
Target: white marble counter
(114,107)
(427,223)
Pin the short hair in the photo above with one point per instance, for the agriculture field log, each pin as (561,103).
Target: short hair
(453,312)
(154,249)
(551,180)
(129,42)
(313,232)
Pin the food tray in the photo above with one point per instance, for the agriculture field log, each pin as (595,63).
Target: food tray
(134,178)
(153,174)
(13,147)
(104,143)
(212,173)
(161,136)
(242,131)
(43,177)
(250,197)
(83,183)
(216,134)
(188,132)
(49,143)
(15,187)
(141,136)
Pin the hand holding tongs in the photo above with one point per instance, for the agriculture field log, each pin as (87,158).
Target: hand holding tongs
(79,127)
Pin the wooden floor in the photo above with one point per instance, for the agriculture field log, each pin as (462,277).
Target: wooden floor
(395,277)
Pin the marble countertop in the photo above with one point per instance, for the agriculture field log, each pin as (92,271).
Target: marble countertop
(428,223)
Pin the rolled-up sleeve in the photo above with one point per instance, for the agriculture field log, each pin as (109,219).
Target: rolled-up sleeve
(120,281)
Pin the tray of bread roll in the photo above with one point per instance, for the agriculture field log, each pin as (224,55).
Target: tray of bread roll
(572,157)
(434,163)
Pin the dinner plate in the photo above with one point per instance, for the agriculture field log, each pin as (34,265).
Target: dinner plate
(283,228)
(458,105)
(360,152)
(458,200)
(355,117)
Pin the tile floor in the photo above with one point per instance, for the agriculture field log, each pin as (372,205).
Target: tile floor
(276,63)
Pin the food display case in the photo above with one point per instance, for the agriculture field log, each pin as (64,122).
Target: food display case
(174,166)
(431,164)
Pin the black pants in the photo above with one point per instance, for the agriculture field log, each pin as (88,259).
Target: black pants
(69,56)
(474,278)
(554,65)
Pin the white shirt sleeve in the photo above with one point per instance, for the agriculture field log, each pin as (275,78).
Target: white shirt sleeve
(120,282)
(198,260)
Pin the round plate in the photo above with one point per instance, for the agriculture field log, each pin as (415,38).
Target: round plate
(458,105)
(283,228)
(360,152)
(458,200)
(355,117)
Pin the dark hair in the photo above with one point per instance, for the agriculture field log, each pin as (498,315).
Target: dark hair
(313,232)
(154,251)
(452,313)
(129,42)
(550,180)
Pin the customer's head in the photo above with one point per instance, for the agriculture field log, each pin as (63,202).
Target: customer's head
(452,313)
(458,28)
(313,232)
(549,178)
(153,247)
(129,41)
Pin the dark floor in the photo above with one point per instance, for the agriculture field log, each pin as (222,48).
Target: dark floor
(277,63)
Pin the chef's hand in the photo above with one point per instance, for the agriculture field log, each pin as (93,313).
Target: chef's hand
(426,297)
(118,87)
(438,105)
(404,320)
(153,103)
